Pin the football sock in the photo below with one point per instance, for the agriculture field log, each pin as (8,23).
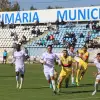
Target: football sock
(96,86)
(53,84)
(72,79)
(77,76)
(17,78)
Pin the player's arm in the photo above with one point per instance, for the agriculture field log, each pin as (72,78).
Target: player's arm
(57,60)
(85,57)
(42,59)
(26,55)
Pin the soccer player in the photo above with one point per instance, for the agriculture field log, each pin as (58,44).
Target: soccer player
(19,57)
(66,64)
(82,64)
(97,81)
(71,52)
(5,57)
(48,59)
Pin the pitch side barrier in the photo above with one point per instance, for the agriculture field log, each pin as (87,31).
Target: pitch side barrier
(51,15)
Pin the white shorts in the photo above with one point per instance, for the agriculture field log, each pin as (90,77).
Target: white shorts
(49,74)
(98,77)
(21,70)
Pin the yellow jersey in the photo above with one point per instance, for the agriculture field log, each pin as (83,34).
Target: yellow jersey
(86,55)
(66,62)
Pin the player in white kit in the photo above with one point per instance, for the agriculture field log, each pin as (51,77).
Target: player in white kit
(97,81)
(19,57)
(71,52)
(48,60)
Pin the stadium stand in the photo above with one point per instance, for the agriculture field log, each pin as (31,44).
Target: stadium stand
(10,36)
(37,47)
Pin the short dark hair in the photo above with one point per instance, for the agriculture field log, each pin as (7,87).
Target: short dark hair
(49,46)
(71,46)
(98,54)
(65,51)
(18,47)
(85,47)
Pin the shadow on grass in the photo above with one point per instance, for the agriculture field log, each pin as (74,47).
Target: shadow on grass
(72,92)
(81,85)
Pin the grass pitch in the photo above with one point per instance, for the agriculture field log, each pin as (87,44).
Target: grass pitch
(36,87)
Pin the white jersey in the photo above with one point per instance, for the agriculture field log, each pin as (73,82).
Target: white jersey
(72,54)
(97,65)
(49,58)
(18,58)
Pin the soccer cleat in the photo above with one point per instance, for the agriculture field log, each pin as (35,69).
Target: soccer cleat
(20,86)
(54,92)
(73,83)
(94,93)
(77,84)
(50,86)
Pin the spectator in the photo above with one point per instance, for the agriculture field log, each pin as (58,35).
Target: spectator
(81,35)
(43,42)
(15,37)
(2,24)
(23,40)
(38,32)
(48,37)
(5,57)
(33,31)
(51,37)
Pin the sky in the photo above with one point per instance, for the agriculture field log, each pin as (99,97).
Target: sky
(43,4)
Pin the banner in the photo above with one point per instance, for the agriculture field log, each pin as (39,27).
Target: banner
(51,15)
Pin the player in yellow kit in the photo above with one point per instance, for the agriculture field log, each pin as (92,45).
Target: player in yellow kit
(66,64)
(82,64)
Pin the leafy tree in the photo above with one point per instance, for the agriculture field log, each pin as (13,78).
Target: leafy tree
(32,8)
(50,7)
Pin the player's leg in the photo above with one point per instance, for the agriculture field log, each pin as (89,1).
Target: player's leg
(96,84)
(61,78)
(53,83)
(5,60)
(47,76)
(72,76)
(83,72)
(56,76)
(67,81)
(17,79)
(51,73)
(78,74)
(21,80)
(22,71)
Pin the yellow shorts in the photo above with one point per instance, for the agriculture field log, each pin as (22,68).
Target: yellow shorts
(65,72)
(83,65)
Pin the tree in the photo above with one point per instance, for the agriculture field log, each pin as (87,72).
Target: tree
(58,7)
(15,7)
(32,8)
(50,7)
(5,5)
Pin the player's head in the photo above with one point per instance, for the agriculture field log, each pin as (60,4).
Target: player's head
(84,48)
(49,48)
(98,57)
(71,48)
(18,47)
(65,53)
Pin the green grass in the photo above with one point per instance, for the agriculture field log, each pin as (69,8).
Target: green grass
(36,87)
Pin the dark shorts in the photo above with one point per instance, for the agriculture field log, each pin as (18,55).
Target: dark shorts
(5,57)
